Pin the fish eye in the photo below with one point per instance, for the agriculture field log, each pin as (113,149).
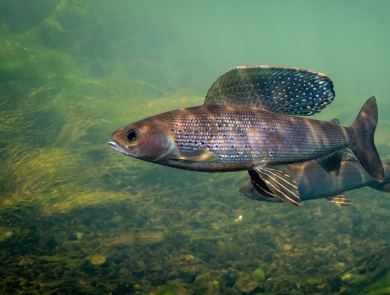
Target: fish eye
(132,134)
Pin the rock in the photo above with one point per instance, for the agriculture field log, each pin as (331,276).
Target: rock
(202,278)
(248,288)
(155,267)
(98,260)
(173,275)
(26,261)
(189,257)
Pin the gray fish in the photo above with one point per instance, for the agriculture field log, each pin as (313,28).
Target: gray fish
(246,122)
(312,182)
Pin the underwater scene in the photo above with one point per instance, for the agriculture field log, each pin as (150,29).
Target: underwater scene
(79,217)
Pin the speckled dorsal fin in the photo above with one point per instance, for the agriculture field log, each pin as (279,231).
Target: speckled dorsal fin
(280,183)
(340,200)
(291,91)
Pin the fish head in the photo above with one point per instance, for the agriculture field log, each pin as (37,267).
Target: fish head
(146,140)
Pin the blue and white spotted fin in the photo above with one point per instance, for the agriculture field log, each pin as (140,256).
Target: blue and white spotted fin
(291,91)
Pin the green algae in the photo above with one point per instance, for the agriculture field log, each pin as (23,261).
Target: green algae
(259,274)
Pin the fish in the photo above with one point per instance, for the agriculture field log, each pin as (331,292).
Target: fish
(249,120)
(313,182)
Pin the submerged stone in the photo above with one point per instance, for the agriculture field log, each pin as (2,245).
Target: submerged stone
(98,260)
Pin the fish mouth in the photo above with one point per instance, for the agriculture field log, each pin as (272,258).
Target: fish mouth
(118,148)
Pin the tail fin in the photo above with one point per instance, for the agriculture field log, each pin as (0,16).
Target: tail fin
(363,144)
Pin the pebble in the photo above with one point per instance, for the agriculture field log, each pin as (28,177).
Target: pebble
(98,260)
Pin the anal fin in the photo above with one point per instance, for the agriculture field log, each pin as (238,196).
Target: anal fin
(331,163)
(279,181)
(340,200)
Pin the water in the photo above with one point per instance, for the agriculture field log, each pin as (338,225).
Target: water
(77,217)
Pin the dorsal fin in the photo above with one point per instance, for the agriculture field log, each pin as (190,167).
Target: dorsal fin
(291,91)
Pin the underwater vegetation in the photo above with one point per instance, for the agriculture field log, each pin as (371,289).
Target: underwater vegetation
(76,217)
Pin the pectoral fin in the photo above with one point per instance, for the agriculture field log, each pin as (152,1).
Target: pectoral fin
(340,200)
(198,156)
(279,181)
(247,190)
(331,163)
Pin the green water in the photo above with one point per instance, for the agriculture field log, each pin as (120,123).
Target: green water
(77,217)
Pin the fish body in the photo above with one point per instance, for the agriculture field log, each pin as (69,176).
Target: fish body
(246,123)
(241,137)
(314,183)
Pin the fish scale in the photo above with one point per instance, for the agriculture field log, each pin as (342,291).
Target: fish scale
(233,135)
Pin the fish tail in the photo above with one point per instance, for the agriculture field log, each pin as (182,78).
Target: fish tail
(363,145)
